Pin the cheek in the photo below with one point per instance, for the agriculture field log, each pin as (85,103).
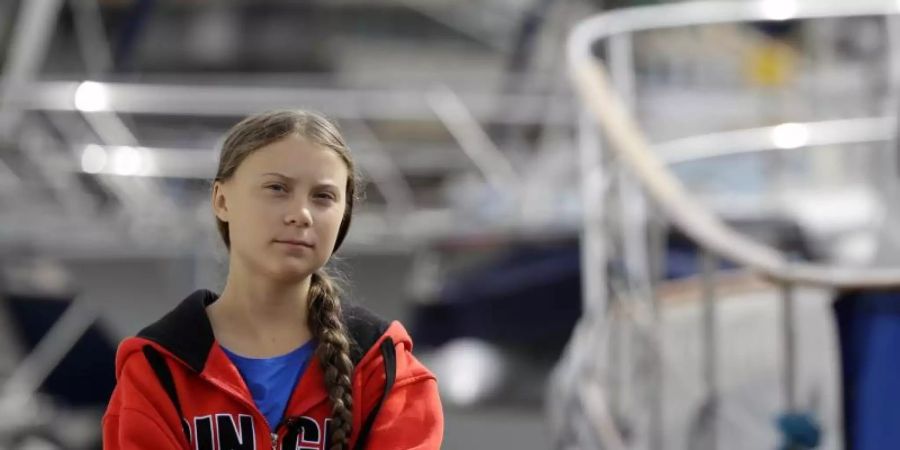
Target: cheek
(253,221)
(329,222)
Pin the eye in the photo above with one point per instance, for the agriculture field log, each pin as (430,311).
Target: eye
(326,196)
(277,188)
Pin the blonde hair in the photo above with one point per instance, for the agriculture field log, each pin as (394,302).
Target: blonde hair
(324,318)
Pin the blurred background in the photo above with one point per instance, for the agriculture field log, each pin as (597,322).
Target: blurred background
(621,224)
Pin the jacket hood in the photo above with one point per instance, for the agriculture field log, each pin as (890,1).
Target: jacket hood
(186,334)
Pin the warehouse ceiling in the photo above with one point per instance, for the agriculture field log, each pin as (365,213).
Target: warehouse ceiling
(111,113)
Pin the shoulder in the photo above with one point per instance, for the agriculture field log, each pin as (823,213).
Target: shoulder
(364,327)
(137,385)
(380,347)
(131,361)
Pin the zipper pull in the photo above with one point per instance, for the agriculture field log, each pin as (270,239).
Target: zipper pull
(274,441)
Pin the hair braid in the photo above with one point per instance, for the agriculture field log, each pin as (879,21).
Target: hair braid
(324,318)
(334,354)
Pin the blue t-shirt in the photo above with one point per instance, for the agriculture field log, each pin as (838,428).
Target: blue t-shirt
(272,380)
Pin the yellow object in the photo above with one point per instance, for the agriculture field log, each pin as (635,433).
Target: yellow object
(771,64)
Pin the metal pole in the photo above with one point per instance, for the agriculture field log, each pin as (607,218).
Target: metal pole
(890,171)
(593,243)
(593,246)
(790,347)
(385,173)
(621,64)
(473,139)
(639,263)
(30,41)
(710,347)
(657,255)
(91,38)
(49,352)
(892,24)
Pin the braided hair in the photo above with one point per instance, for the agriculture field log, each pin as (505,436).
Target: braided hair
(324,306)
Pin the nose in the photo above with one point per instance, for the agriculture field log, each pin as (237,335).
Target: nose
(300,216)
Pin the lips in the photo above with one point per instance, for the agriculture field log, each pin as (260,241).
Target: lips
(296,242)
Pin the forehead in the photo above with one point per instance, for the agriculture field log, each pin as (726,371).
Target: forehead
(295,157)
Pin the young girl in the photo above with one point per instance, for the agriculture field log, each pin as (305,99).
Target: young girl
(276,361)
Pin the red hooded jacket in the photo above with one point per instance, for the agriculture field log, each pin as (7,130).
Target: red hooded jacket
(217,411)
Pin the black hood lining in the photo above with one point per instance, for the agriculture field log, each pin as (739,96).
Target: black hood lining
(186,332)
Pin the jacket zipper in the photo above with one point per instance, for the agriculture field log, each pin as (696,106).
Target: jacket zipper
(274,433)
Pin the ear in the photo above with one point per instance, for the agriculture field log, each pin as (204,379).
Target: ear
(219,203)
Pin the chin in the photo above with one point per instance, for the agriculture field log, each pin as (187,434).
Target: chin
(291,270)
(290,274)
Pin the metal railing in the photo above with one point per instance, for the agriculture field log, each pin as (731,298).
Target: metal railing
(610,112)
(607,91)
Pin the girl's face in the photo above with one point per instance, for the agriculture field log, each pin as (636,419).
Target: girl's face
(283,206)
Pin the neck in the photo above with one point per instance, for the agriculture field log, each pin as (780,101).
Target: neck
(258,317)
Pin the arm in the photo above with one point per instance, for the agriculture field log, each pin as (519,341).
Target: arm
(132,429)
(411,417)
(132,421)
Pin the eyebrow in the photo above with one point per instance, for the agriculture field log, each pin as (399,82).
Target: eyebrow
(318,184)
(280,175)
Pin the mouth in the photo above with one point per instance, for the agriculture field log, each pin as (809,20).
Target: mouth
(296,243)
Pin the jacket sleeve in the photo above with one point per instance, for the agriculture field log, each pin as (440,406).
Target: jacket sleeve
(133,421)
(411,417)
